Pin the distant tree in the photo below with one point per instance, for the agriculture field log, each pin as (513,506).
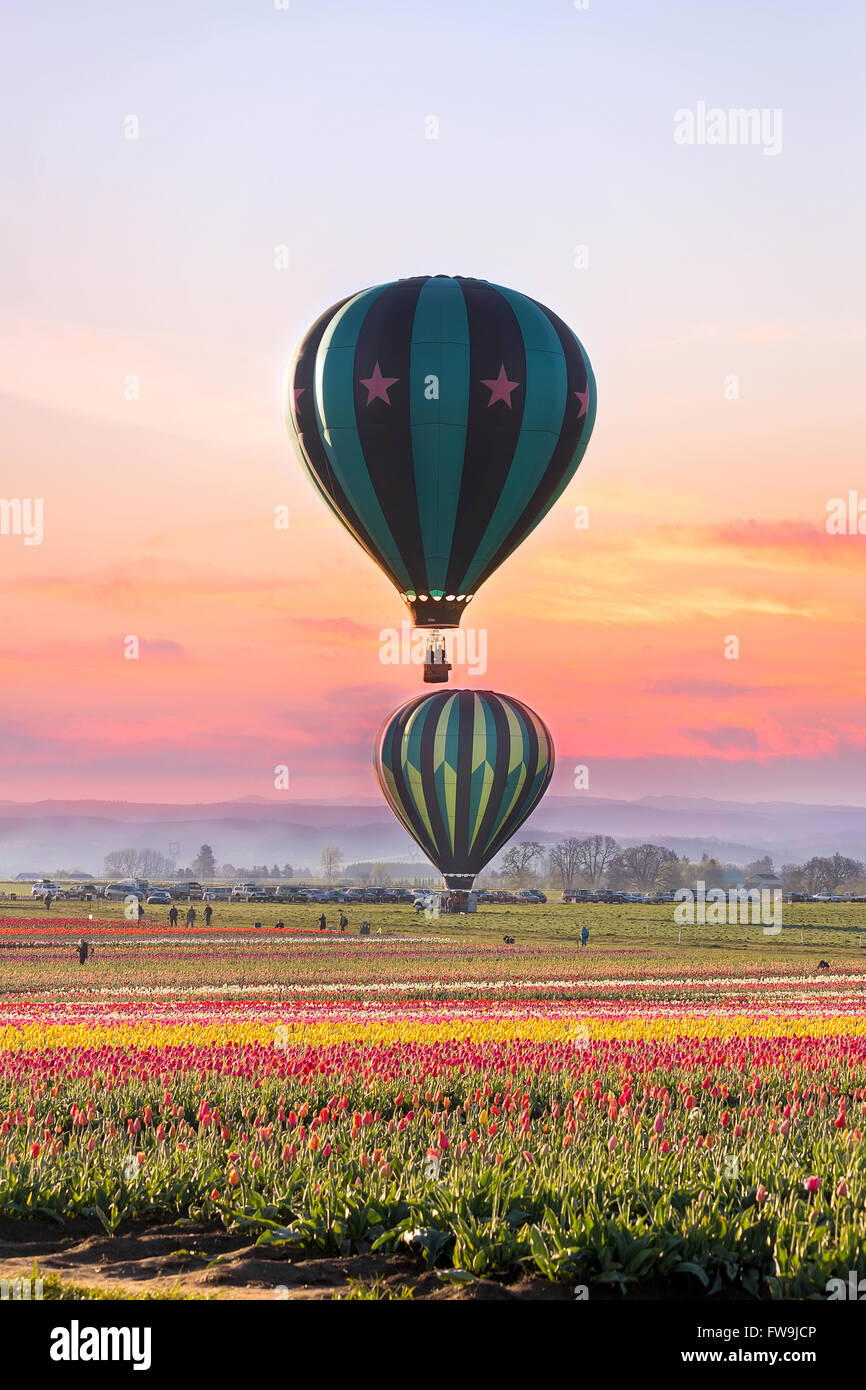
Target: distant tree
(565,860)
(825,874)
(595,855)
(670,875)
(287,871)
(845,870)
(379,875)
(759,866)
(639,866)
(120,863)
(792,878)
(332,858)
(228,871)
(815,877)
(517,861)
(707,871)
(137,863)
(204,864)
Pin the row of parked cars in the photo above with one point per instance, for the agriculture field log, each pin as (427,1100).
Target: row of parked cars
(118,891)
(582,895)
(249,892)
(191,891)
(342,895)
(827,897)
(525,896)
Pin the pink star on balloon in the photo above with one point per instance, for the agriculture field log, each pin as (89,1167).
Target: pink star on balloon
(298,391)
(501,388)
(583,397)
(377,385)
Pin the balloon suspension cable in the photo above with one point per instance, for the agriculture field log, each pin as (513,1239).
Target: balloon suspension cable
(436,663)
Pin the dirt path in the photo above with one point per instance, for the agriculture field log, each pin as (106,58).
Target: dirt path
(211,1262)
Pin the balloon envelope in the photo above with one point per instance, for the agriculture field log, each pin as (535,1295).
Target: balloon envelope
(462,770)
(440,418)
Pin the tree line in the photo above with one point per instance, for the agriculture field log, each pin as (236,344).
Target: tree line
(598,861)
(152,864)
(591,861)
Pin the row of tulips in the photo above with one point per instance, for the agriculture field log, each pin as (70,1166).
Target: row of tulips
(697,1131)
(747,1171)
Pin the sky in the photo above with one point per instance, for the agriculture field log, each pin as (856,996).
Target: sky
(152,291)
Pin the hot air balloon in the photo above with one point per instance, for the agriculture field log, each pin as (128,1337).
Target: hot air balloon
(440,418)
(462,770)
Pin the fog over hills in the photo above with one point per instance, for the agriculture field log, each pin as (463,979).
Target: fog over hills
(44,836)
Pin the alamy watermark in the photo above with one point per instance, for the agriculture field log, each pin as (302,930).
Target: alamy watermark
(416,647)
(716,907)
(717,125)
(846,516)
(23,516)
(77,1343)
(16,1290)
(854,1290)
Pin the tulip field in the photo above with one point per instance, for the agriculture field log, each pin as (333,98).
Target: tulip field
(631,1121)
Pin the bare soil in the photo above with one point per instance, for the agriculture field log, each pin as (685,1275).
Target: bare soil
(161,1257)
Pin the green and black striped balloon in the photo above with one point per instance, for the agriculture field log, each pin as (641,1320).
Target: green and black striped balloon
(462,770)
(440,418)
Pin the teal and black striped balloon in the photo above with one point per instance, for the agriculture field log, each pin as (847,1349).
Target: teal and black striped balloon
(462,770)
(440,418)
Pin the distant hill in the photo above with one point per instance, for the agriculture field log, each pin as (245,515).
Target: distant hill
(40,837)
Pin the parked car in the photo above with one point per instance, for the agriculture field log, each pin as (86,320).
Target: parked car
(187,890)
(82,891)
(287,894)
(216,895)
(402,895)
(120,891)
(530,895)
(45,885)
(159,895)
(354,895)
(244,892)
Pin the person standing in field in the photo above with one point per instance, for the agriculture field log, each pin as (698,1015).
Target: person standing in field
(584,937)
(344,921)
(323,923)
(172,917)
(140,911)
(83,951)
(47,900)
(208,913)
(190,917)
